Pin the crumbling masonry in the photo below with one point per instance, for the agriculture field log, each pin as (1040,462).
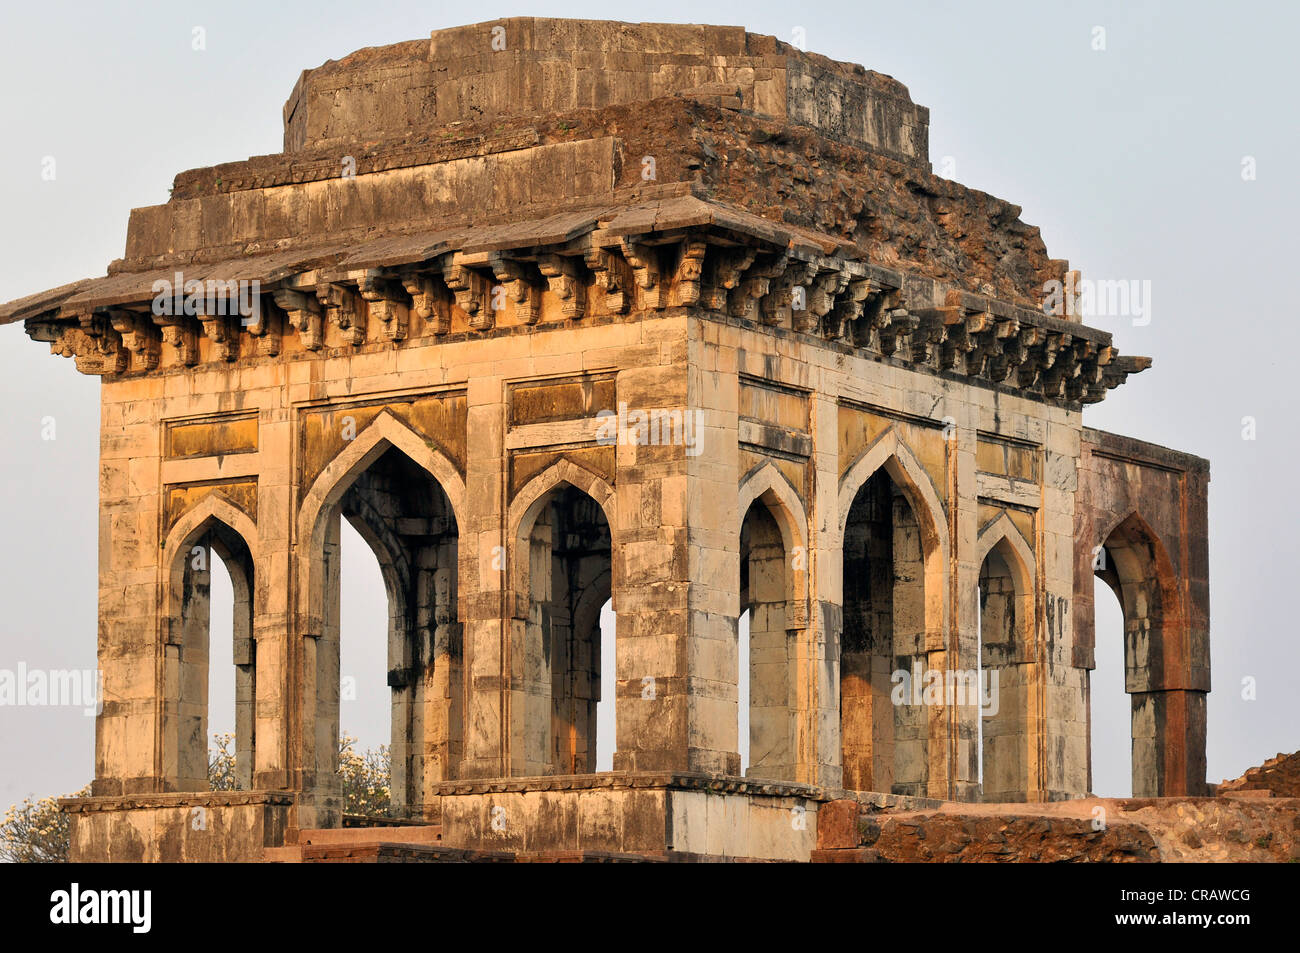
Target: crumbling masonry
(837,402)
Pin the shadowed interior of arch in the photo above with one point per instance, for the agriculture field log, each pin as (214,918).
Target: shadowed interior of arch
(885,744)
(1005,607)
(406,520)
(569,553)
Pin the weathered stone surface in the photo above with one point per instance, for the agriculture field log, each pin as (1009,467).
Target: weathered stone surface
(1279,777)
(673,317)
(525,66)
(1171,830)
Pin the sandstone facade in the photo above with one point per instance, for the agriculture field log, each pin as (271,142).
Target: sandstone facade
(559,312)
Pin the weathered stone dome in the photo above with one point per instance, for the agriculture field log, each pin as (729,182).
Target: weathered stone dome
(531,66)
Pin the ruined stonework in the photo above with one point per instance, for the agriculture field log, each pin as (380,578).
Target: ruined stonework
(558,312)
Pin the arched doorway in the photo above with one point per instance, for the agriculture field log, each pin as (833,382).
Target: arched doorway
(1006,622)
(766,592)
(406,519)
(1134,565)
(188,674)
(1110,711)
(565,553)
(884,722)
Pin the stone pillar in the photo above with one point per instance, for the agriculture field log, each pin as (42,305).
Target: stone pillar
(826,587)
(274,595)
(442,681)
(490,612)
(134,664)
(963,578)
(1057,715)
(186,698)
(681,577)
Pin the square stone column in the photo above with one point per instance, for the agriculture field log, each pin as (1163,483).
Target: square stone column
(130,647)
(487,605)
(672,674)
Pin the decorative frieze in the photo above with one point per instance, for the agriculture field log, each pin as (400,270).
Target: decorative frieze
(840,299)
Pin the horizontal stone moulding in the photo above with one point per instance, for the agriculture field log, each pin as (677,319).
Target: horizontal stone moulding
(602,264)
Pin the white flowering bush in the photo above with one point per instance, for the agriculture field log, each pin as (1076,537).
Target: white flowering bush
(365,778)
(36,832)
(221,763)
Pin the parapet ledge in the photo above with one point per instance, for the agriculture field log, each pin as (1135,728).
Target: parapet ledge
(177,799)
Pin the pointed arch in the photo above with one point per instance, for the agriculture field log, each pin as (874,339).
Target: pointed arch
(181,742)
(772,538)
(523,510)
(1158,665)
(386,431)
(1008,623)
(1003,528)
(433,749)
(772,486)
(561,569)
(896,458)
(1140,555)
(899,748)
(215,504)
(191,525)
(891,454)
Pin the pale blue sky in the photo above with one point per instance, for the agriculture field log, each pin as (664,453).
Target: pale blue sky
(1129,159)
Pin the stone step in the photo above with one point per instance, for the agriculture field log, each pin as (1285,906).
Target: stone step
(283,855)
(335,839)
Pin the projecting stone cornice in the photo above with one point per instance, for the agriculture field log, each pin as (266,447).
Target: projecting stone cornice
(671,248)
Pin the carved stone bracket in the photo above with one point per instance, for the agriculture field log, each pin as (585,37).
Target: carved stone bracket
(521,288)
(428,305)
(688,273)
(472,291)
(339,304)
(305,316)
(778,305)
(644,260)
(563,274)
(388,302)
(727,266)
(755,286)
(847,309)
(613,278)
(1005,352)
(223,331)
(139,336)
(182,335)
(896,323)
(820,299)
(266,325)
(92,343)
